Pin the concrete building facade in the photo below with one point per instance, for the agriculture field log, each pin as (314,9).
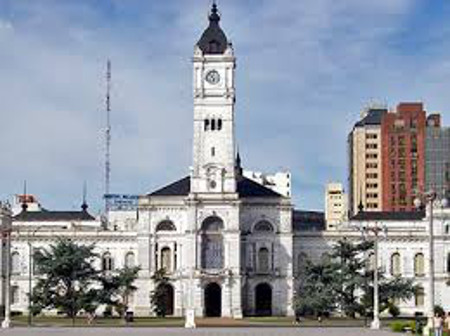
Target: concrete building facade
(365,185)
(336,210)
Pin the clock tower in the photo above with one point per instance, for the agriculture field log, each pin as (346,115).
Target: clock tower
(213,168)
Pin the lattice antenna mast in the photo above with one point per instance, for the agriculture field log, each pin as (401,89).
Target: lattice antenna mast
(108,136)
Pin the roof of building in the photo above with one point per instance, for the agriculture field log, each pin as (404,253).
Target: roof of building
(53,216)
(373,117)
(308,220)
(389,215)
(245,188)
(213,39)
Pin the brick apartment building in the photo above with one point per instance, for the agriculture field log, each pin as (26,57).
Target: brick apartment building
(387,151)
(403,135)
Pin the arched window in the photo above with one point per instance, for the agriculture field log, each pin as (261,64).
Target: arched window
(15,263)
(165,225)
(107,262)
(213,125)
(263,226)
(15,295)
(166,259)
(447,229)
(212,224)
(36,256)
(419,297)
(212,243)
(219,124)
(206,124)
(419,265)
(395,264)
(129,260)
(263,260)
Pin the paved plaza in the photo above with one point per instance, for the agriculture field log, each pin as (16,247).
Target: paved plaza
(200,332)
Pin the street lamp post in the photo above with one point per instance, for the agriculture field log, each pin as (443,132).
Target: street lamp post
(6,234)
(428,199)
(189,321)
(190,310)
(375,324)
(30,280)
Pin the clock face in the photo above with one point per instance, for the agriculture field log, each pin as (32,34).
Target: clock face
(212,77)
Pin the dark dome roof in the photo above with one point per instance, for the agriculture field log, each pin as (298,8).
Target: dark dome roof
(213,40)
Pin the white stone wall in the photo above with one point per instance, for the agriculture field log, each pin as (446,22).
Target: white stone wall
(117,244)
(404,237)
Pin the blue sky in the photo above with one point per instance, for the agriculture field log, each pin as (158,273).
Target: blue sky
(305,70)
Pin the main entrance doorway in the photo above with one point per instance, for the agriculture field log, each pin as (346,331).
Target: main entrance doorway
(167,289)
(213,300)
(263,300)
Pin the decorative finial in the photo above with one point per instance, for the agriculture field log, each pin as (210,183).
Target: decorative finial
(24,198)
(84,205)
(360,206)
(214,16)
(238,163)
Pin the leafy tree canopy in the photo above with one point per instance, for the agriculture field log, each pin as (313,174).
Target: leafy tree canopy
(67,278)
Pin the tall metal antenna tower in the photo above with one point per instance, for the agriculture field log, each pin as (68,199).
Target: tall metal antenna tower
(108,136)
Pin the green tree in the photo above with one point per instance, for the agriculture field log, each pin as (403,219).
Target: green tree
(338,282)
(68,278)
(390,291)
(316,294)
(116,288)
(351,262)
(158,296)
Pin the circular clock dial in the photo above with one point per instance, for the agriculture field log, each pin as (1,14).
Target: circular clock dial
(212,184)
(212,77)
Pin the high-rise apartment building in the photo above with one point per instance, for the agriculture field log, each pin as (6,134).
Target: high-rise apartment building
(403,156)
(364,152)
(335,205)
(437,157)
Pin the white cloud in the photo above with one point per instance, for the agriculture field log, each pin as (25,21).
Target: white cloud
(304,71)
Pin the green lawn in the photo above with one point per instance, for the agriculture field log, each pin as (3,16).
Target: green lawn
(58,321)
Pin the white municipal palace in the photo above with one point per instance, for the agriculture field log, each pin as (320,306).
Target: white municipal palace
(232,247)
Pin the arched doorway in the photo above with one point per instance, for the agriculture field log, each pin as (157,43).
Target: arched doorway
(167,289)
(263,300)
(213,300)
